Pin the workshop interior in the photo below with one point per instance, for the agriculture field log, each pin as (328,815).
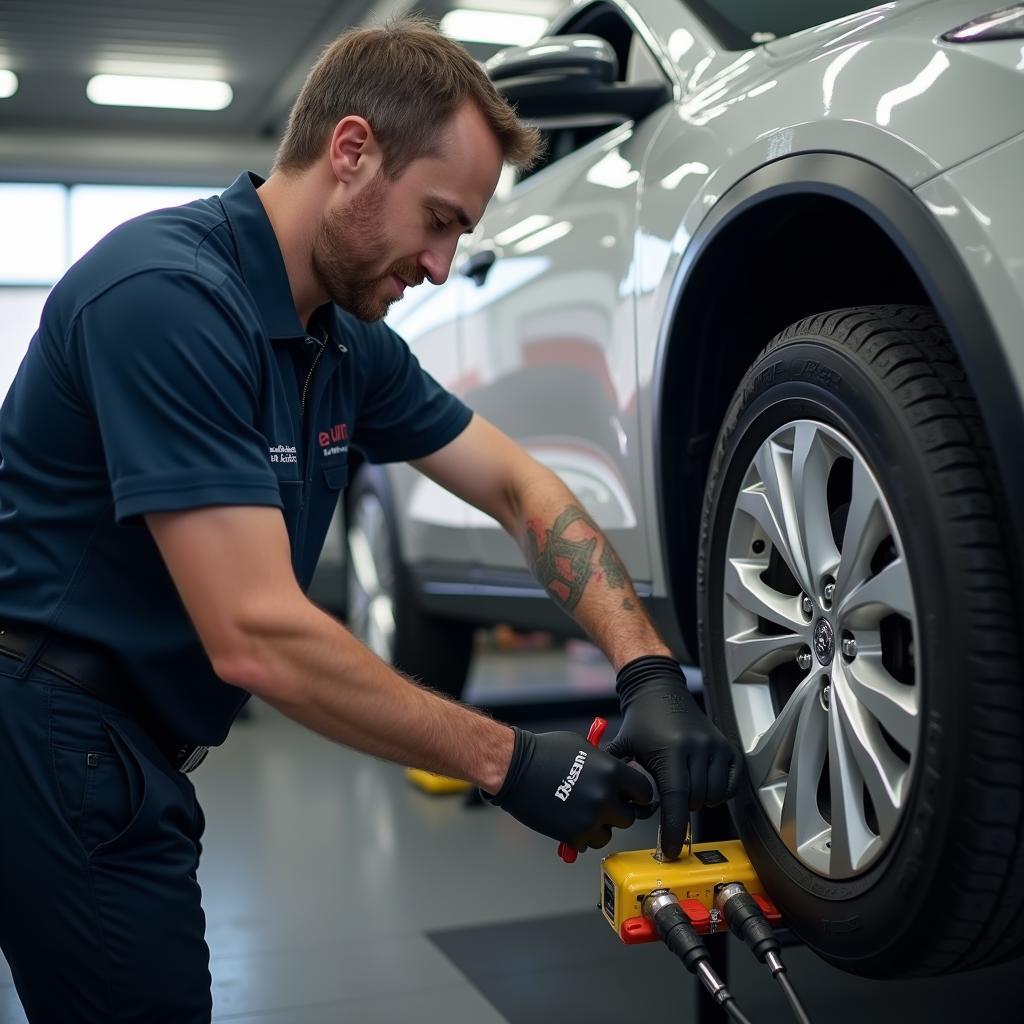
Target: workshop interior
(759,305)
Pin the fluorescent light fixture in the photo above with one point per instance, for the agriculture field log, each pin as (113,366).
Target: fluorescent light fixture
(8,83)
(174,93)
(472,26)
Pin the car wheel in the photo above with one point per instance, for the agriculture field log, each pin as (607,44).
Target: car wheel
(381,600)
(859,640)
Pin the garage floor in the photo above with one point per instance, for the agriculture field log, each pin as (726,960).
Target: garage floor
(335,892)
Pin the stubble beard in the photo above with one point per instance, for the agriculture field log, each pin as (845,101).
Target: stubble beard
(349,247)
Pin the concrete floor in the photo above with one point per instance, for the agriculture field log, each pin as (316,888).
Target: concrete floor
(325,874)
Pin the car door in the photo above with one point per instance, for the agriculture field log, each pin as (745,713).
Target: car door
(432,522)
(547,325)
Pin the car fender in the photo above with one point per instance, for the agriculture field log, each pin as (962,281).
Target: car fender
(909,224)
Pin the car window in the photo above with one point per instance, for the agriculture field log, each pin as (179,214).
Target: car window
(741,24)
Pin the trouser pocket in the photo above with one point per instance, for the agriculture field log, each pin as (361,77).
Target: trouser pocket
(100,781)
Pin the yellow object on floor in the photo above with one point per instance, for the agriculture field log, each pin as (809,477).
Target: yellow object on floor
(436,784)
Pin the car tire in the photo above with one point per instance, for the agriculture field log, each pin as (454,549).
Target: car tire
(881,805)
(382,603)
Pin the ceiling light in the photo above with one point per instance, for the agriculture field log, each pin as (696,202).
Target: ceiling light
(493,27)
(176,93)
(8,83)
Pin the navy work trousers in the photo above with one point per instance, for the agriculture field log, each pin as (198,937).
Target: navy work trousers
(100,916)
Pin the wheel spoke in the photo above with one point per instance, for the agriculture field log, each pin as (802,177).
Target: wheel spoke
(744,585)
(880,769)
(890,591)
(893,704)
(772,504)
(770,757)
(802,822)
(852,840)
(358,602)
(753,654)
(382,628)
(361,557)
(866,528)
(813,459)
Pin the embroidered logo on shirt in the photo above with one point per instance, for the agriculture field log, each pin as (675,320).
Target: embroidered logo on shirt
(339,432)
(283,453)
(329,439)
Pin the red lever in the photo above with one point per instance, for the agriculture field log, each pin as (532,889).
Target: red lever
(597,727)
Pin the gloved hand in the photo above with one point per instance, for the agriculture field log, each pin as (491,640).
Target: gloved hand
(559,785)
(664,730)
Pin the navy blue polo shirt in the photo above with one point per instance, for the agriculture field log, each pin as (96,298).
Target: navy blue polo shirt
(170,371)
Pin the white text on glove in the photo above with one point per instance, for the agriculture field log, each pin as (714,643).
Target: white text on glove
(564,790)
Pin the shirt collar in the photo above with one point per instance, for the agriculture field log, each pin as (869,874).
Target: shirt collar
(259,257)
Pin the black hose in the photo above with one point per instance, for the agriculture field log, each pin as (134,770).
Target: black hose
(787,986)
(735,1012)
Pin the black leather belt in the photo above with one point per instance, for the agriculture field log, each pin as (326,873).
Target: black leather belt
(93,669)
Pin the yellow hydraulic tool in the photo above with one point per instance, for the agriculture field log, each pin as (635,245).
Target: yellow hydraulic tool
(696,878)
(435,784)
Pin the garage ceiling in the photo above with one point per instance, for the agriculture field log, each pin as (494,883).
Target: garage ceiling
(263,48)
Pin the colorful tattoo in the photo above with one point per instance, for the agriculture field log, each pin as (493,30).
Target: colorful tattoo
(562,563)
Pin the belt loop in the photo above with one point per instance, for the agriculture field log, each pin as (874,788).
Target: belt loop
(29,661)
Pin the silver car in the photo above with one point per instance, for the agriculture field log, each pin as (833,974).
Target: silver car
(761,309)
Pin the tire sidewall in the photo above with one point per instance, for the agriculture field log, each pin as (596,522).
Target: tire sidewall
(858,922)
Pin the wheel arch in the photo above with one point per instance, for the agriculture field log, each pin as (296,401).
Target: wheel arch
(733,292)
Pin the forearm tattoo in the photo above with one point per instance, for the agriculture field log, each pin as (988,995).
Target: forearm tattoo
(562,557)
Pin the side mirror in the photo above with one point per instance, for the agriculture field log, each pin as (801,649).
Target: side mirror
(560,80)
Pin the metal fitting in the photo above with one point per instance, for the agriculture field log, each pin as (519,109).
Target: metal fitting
(687,849)
(712,982)
(850,647)
(803,659)
(657,900)
(774,963)
(830,589)
(807,606)
(726,893)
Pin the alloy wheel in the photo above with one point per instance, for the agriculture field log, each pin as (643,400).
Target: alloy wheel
(820,626)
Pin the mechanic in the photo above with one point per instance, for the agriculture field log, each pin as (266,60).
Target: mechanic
(173,447)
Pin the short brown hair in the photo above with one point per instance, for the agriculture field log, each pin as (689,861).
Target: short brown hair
(407,79)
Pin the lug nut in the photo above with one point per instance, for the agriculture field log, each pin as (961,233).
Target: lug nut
(850,647)
(803,659)
(807,606)
(826,696)
(830,589)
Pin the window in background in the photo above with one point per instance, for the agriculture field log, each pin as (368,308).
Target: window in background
(98,209)
(33,233)
(19,318)
(43,230)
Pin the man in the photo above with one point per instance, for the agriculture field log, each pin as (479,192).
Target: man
(164,498)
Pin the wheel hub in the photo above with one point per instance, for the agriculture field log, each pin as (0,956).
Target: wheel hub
(824,641)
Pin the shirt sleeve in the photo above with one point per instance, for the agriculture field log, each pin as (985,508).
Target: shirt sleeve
(174,385)
(405,414)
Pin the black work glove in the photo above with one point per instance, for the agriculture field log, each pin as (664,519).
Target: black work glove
(559,785)
(692,763)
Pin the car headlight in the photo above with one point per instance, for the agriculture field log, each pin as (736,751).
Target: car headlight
(1006,23)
